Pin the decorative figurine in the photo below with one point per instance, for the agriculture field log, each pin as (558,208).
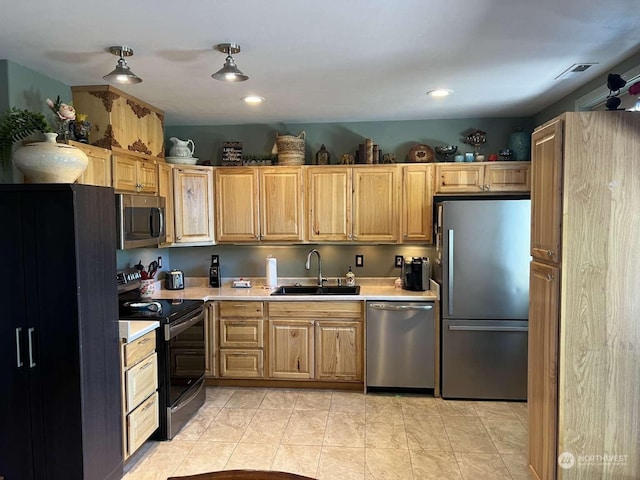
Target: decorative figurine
(322,156)
(476,138)
(348,159)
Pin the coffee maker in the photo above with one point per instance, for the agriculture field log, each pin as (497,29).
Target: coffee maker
(214,272)
(416,273)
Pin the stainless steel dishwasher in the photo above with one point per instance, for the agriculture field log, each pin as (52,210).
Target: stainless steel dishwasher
(400,344)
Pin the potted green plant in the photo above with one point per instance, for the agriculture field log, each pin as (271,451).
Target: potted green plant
(17,124)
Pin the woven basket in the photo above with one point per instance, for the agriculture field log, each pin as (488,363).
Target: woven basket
(290,149)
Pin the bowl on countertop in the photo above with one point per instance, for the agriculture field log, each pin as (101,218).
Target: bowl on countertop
(181,160)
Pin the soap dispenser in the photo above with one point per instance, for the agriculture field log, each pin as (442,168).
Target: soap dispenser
(351,277)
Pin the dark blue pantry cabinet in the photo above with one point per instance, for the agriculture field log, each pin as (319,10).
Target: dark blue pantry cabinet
(59,354)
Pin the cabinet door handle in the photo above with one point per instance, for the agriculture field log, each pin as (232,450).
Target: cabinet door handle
(550,253)
(549,277)
(18,354)
(144,367)
(487,187)
(31,362)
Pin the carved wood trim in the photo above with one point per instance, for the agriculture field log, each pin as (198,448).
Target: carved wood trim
(108,140)
(139,110)
(107,98)
(161,117)
(139,146)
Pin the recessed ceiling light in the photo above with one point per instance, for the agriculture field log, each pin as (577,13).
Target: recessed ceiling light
(252,99)
(440,92)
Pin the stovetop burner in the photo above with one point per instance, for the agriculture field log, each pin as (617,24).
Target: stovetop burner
(166,311)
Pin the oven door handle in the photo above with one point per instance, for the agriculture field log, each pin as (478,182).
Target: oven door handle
(185,401)
(170,332)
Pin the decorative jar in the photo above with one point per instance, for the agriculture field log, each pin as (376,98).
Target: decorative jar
(50,162)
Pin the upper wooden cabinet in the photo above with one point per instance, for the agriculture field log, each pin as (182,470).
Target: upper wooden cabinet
(193,205)
(121,122)
(329,195)
(482,177)
(98,171)
(376,204)
(165,189)
(259,204)
(546,194)
(353,204)
(417,203)
(134,175)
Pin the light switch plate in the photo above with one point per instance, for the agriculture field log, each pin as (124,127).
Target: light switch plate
(359,260)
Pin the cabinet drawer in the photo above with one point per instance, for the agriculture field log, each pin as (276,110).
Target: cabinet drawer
(142,422)
(141,380)
(236,363)
(316,309)
(241,309)
(235,332)
(138,349)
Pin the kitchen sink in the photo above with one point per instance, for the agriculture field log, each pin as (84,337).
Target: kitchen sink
(315,290)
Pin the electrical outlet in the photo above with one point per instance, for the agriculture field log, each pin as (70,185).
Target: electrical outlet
(398,261)
(359,260)
(159,262)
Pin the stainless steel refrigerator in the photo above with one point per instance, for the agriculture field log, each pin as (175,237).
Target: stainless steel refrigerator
(483,267)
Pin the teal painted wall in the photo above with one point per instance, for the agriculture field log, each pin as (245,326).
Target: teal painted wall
(29,89)
(4,86)
(340,138)
(24,88)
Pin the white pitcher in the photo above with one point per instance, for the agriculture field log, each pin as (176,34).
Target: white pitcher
(181,148)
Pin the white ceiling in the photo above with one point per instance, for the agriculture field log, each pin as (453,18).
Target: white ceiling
(328,60)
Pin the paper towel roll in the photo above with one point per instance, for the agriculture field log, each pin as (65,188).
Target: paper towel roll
(272,272)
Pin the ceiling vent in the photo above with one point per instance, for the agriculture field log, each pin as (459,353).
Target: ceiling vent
(575,69)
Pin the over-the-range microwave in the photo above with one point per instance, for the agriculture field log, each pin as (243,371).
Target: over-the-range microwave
(140,221)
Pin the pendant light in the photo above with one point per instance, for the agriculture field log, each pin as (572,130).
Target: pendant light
(122,74)
(229,72)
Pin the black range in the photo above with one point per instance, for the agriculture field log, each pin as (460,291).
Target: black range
(181,347)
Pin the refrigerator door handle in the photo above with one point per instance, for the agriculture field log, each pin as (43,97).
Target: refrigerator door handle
(472,328)
(450,272)
(31,362)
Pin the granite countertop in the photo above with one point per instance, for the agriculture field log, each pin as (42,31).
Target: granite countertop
(370,289)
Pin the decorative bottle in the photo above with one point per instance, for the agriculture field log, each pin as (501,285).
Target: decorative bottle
(351,277)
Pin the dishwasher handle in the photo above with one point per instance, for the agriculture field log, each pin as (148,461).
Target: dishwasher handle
(388,306)
(481,328)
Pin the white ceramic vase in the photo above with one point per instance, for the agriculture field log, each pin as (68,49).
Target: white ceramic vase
(50,162)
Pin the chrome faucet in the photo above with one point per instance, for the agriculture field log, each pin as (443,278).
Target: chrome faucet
(307,265)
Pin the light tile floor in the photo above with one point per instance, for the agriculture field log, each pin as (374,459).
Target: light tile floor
(344,435)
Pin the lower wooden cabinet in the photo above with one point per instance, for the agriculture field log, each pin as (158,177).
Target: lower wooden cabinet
(140,411)
(241,339)
(291,349)
(297,340)
(544,311)
(316,341)
(241,363)
(339,350)
(142,422)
